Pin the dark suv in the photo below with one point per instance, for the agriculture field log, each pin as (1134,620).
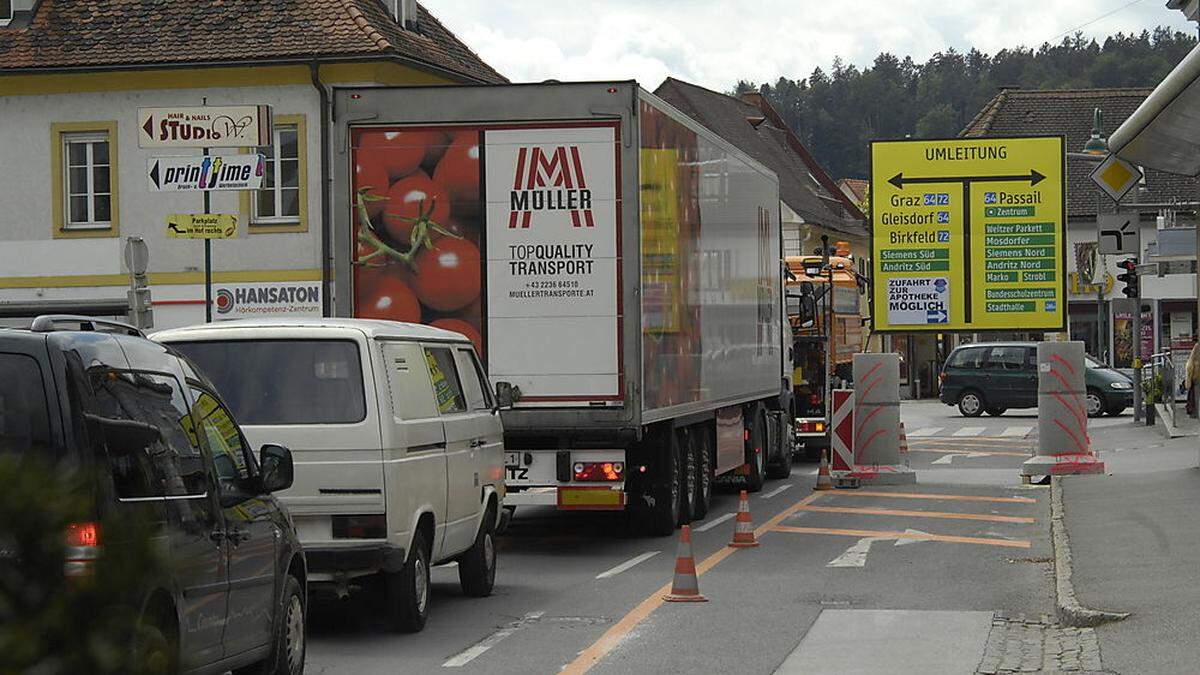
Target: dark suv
(163,447)
(993,377)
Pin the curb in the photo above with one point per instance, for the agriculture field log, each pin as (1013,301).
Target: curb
(1070,612)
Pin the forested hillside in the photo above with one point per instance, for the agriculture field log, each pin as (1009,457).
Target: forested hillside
(836,113)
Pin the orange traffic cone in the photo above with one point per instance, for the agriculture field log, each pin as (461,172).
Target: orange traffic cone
(824,481)
(903,440)
(685,587)
(743,531)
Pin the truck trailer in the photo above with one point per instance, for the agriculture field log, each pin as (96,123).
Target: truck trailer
(618,266)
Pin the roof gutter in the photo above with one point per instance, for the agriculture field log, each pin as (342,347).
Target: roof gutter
(326,191)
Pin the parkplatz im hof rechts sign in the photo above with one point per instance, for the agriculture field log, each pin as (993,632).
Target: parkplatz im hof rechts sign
(969,234)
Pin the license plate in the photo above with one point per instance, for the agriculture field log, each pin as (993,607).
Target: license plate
(515,471)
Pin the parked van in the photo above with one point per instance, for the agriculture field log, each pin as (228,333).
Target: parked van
(993,377)
(397,439)
(98,395)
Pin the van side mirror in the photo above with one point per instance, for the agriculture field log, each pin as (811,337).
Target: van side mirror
(506,395)
(275,465)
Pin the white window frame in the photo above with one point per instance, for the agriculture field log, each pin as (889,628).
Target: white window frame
(277,189)
(7,19)
(89,138)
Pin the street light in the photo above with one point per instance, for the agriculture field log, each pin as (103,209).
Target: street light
(1097,144)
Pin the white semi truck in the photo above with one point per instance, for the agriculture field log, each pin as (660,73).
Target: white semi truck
(618,266)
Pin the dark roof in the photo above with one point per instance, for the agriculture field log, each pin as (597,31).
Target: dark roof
(751,130)
(97,34)
(1015,112)
(858,188)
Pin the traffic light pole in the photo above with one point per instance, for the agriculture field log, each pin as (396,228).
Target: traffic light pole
(1137,358)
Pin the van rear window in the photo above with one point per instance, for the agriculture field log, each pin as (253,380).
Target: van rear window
(24,417)
(284,381)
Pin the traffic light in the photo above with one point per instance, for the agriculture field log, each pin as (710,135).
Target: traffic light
(1130,277)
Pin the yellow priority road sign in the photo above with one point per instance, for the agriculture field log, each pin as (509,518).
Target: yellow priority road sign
(968,235)
(202,226)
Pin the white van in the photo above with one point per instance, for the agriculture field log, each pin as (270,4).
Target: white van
(397,442)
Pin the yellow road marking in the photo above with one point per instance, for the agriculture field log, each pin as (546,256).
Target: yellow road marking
(884,534)
(613,636)
(952,498)
(919,514)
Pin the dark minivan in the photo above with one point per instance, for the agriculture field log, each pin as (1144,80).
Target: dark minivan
(993,377)
(163,446)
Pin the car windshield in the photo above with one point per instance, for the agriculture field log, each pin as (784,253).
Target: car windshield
(24,415)
(1093,363)
(284,381)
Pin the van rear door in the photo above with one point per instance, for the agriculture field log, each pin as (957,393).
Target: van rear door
(315,394)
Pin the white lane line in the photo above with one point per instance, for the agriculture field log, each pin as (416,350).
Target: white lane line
(1016,432)
(471,653)
(713,523)
(944,459)
(627,564)
(925,431)
(776,491)
(970,431)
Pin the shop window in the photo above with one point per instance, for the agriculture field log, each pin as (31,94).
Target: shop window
(84,179)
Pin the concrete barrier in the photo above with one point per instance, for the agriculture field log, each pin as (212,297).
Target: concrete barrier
(877,421)
(1063,443)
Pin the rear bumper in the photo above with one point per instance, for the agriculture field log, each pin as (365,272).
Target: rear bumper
(572,497)
(355,558)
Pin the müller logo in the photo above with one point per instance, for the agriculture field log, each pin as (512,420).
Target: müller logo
(550,180)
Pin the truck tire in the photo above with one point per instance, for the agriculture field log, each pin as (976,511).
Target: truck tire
(782,467)
(689,485)
(477,567)
(702,438)
(407,591)
(665,514)
(756,453)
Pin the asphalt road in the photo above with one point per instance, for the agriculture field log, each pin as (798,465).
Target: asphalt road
(913,571)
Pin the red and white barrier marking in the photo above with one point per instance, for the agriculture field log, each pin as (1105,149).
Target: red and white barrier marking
(841,437)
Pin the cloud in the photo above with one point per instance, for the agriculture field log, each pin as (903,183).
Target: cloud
(717,42)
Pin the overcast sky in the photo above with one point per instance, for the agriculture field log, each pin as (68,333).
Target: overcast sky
(716,42)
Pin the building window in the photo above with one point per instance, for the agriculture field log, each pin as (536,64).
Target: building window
(6,12)
(84,179)
(281,204)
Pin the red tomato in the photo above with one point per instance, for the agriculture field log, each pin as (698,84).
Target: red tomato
(472,313)
(369,171)
(458,172)
(407,199)
(382,294)
(401,152)
(447,276)
(467,229)
(460,326)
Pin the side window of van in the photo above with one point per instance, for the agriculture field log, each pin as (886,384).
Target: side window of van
(970,357)
(220,434)
(1008,358)
(447,388)
(24,413)
(473,380)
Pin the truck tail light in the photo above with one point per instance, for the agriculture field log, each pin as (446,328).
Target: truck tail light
(359,527)
(815,399)
(812,427)
(83,549)
(599,471)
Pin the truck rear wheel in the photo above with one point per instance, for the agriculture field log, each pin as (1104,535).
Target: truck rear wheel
(668,500)
(702,440)
(689,484)
(782,467)
(756,452)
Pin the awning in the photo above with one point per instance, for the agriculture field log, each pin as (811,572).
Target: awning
(1164,132)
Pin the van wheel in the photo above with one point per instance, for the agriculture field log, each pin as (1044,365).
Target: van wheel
(153,649)
(665,513)
(407,591)
(689,487)
(1095,402)
(287,654)
(971,404)
(756,453)
(704,472)
(996,412)
(477,567)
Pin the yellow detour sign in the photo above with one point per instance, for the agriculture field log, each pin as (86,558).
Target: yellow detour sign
(202,226)
(968,235)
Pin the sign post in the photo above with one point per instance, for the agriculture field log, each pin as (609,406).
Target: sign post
(969,235)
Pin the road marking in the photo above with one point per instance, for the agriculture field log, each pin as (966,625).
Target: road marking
(944,459)
(954,498)
(996,441)
(776,491)
(627,564)
(946,515)
(969,431)
(856,555)
(471,653)
(1018,543)
(925,431)
(621,629)
(1018,432)
(713,523)
(971,453)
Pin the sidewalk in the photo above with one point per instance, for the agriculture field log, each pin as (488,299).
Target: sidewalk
(1135,542)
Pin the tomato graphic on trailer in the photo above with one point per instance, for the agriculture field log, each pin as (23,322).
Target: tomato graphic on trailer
(417,227)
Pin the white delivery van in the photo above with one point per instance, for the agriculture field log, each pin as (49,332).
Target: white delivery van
(397,441)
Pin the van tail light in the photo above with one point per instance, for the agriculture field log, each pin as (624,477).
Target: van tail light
(815,399)
(82,549)
(812,427)
(599,471)
(359,527)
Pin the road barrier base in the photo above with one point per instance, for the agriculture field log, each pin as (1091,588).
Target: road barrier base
(1062,465)
(884,474)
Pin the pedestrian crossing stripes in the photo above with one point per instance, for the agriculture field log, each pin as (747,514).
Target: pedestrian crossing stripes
(1015,431)
(926,431)
(970,431)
